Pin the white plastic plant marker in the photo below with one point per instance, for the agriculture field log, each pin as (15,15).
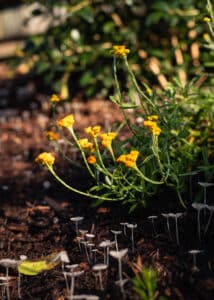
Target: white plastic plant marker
(98,268)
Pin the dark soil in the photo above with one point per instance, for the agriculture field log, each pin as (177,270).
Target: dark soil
(35,216)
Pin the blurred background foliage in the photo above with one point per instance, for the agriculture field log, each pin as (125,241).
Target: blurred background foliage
(73,55)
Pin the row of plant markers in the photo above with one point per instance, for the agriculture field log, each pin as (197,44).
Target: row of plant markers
(106,248)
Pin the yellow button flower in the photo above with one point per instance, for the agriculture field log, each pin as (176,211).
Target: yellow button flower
(45,158)
(107,139)
(85,144)
(91,159)
(93,131)
(206,19)
(66,122)
(55,98)
(51,135)
(129,160)
(120,51)
(151,124)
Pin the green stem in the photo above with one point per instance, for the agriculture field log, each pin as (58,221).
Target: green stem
(140,92)
(82,152)
(50,168)
(105,171)
(146,178)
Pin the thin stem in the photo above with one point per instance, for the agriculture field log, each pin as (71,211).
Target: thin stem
(199,225)
(50,168)
(177,234)
(208,223)
(146,178)
(81,150)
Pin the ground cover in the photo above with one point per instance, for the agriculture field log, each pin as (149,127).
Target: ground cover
(35,219)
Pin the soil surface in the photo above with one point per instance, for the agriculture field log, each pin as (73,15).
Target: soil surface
(35,214)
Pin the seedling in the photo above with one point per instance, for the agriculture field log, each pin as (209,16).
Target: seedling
(71,269)
(199,207)
(205,185)
(106,245)
(132,227)
(167,216)
(153,218)
(76,220)
(176,216)
(124,224)
(194,253)
(119,256)
(73,275)
(8,263)
(116,233)
(98,270)
(211,209)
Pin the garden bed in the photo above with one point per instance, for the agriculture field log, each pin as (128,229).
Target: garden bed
(35,219)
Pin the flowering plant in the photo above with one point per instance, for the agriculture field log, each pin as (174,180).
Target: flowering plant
(164,146)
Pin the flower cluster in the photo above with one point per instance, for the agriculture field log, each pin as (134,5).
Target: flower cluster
(107,139)
(129,160)
(207,19)
(55,98)
(120,51)
(45,158)
(85,144)
(51,135)
(66,122)
(151,124)
(93,131)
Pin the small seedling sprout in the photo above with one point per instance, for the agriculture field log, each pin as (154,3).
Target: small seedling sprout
(211,209)
(76,220)
(199,207)
(167,216)
(124,224)
(106,245)
(116,233)
(98,269)
(153,218)
(73,275)
(8,263)
(119,256)
(194,252)
(176,216)
(132,227)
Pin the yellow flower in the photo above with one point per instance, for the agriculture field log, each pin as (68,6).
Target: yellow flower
(149,91)
(120,50)
(107,139)
(93,131)
(129,160)
(51,135)
(151,124)
(45,158)
(66,122)
(85,144)
(206,19)
(91,159)
(153,118)
(206,36)
(55,98)
(156,130)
